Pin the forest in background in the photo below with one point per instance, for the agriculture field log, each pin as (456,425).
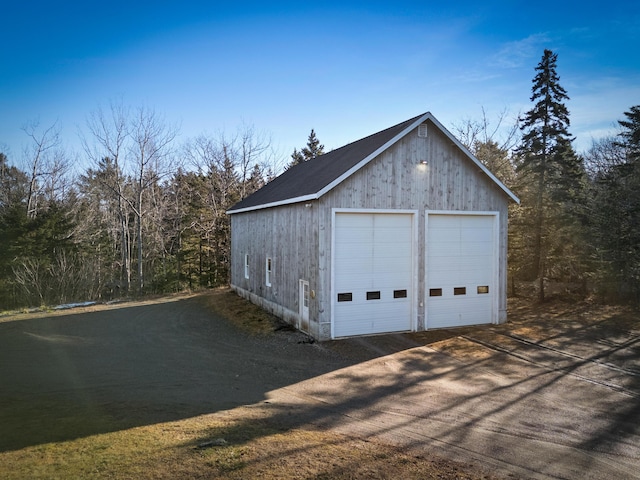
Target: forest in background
(148,213)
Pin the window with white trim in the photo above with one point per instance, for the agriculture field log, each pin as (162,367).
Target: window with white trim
(246,265)
(268,268)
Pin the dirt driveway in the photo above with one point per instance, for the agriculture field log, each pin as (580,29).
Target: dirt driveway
(556,396)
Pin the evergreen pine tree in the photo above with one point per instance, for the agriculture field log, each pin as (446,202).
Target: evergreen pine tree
(312,150)
(296,158)
(631,134)
(615,211)
(551,175)
(625,212)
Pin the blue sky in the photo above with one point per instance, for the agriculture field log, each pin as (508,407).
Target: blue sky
(346,69)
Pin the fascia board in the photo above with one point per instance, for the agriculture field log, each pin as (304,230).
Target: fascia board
(288,201)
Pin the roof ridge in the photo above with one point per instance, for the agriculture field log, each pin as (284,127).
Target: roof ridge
(311,179)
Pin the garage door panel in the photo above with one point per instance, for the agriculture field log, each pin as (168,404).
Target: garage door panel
(447,267)
(378,317)
(359,256)
(362,278)
(377,310)
(475,221)
(362,282)
(373,253)
(380,268)
(445,235)
(475,249)
(389,284)
(392,237)
(365,284)
(391,263)
(381,316)
(447,314)
(477,278)
(355,262)
(356,237)
(476,235)
(391,250)
(391,221)
(349,220)
(352,254)
(385,256)
(460,255)
(446,262)
(444,248)
(476,262)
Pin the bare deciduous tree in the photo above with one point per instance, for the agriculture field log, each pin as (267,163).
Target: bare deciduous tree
(110,133)
(251,149)
(492,145)
(45,163)
(151,156)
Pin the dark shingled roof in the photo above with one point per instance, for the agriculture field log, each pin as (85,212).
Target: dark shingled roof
(307,180)
(310,177)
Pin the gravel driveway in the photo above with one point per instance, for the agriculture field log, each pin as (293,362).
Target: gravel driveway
(546,398)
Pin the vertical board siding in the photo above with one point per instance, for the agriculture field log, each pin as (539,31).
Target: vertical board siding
(299,238)
(289,236)
(397,180)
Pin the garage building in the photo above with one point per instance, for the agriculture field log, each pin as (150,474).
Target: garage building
(404,230)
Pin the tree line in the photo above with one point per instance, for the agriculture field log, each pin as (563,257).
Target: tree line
(578,225)
(148,214)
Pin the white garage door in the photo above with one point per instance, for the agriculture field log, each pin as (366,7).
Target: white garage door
(372,273)
(461,267)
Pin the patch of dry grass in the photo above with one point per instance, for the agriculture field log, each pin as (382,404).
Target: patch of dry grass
(240,312)
(48,311)
(538,321)
(237,444)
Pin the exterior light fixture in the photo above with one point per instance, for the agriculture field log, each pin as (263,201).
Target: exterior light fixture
(423,162)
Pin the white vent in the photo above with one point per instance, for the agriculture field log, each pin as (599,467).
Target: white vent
(422,130)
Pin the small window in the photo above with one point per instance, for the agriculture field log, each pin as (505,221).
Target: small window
(460,290)
(435,292)
(305,294)
(373,295)
(399,294)
(483,289)
(268,269)
(246,266)
(345,297)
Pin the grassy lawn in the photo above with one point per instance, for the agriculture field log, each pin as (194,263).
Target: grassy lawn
(237,444)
